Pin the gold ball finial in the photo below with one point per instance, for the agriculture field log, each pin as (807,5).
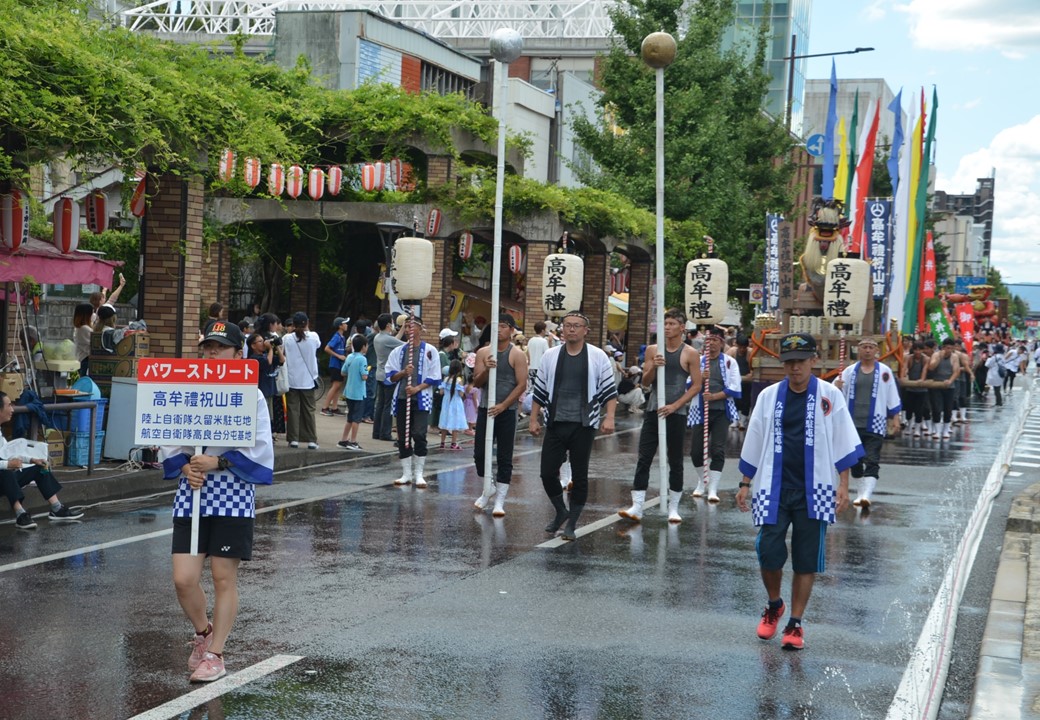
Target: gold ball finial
(658,50)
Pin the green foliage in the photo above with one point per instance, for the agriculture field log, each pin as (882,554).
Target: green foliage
(724,158)
(117,245)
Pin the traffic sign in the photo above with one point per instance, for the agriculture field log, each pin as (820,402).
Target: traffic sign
(814,145)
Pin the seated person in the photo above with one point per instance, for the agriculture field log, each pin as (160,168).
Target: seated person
(16,473)
(630,393)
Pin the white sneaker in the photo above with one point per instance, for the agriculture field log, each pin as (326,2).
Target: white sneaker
(312,446)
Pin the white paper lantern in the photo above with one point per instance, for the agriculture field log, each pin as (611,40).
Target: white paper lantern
(251,172)
(411,268)
(66,225)
(276,180)
(139,200)
(226,171)
(294,181)
(846,290)
(707,290)
(316,183)
(563,284)
(335,177)
(95,205)
(14,219)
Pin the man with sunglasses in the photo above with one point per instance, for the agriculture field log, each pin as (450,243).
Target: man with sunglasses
(574,394)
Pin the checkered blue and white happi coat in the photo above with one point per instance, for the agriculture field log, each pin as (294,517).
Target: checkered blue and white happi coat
(831,446)
(883,397)
(429,373)
(731,386)
(226,493)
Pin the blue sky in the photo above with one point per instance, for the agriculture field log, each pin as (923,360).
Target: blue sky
(983,57)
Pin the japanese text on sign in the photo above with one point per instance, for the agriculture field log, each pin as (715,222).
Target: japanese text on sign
(555,284)
(786,265)
(771,274)
(839,275)
(879,227)
(218,408)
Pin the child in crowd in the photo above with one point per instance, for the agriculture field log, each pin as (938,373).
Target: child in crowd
(355,372)
(453,411)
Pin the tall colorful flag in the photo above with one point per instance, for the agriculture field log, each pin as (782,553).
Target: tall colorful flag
(895,303)
(928,274)
(913,309)
(896,106)
(828,137)
(841,179)
(853,156)
(861,180)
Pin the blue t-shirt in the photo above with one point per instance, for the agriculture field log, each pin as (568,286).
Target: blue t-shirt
(793,473)
(338,345)
(355,370)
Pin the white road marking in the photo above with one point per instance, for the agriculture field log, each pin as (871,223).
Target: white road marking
(1014,473)
(215,689)
(1021,463)
(594,526)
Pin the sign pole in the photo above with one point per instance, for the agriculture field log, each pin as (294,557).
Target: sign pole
(196,511)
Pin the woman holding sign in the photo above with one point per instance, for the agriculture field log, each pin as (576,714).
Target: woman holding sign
(225,477)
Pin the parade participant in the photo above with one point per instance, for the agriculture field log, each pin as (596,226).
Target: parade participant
(739,352)
(536,347)
(963,384)
(510,382)
(575,390)
(872,396)
(681,365)
(226,477)
(799,436)
(18,472)
(723,390)
(915,398)
(944,366)
(420,362)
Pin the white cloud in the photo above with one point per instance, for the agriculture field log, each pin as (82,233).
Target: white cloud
(1011,27)
(1014,154)
(876,10)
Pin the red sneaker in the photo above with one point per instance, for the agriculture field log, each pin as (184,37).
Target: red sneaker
(770,619)
(794,638)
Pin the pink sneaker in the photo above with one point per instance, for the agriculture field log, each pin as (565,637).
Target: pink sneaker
(211,668)
(200,644)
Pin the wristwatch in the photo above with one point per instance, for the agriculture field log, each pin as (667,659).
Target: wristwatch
(223,463)
(743,484)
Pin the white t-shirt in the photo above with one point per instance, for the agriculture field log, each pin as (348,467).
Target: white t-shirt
(301,359)
(536,347)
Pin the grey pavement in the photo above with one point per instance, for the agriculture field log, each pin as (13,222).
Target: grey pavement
(515,627)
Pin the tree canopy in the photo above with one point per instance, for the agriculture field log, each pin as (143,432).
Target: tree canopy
(725,163)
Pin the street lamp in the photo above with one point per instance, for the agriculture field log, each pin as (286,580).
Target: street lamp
(790,69)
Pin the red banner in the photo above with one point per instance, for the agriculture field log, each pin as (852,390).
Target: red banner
(966,322)
(928,276)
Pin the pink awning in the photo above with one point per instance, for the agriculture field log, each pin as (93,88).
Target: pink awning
(48,266)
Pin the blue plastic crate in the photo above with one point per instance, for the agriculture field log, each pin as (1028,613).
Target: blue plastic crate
(80,419)
(79,448)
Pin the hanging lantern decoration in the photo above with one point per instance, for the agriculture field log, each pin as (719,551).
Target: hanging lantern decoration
(465,245)
(227,165)
(373,176)
(846,290)
(707,290)
(276,180)
(563,284)
(411,268)
(316,183)
(433,223)
(625,273)
(138,201)
(516,258)
(14,219)
(294,181)
(251,172)
(396,166)
(96,207)
(66,225)
(615,281)
(335,179)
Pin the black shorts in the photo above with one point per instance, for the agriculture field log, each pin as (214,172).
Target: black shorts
(335,375)
(807,539)
(355,410)
(230,537)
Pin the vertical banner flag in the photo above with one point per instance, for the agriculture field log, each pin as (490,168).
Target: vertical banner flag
(841,179)
(853,155)
(828,137)
(861,179)
(966,323)
(879,234)
(937,318)
(771,272)
(915,240)
(928,272)
(896,106)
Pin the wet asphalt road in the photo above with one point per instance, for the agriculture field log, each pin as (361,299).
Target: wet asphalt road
(409,604)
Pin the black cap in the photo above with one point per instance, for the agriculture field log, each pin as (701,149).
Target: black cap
(507,319)
(797,346)
(716,331)
(225,333)
(949,341)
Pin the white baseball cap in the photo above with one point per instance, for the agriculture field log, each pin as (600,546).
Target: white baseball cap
(448,332)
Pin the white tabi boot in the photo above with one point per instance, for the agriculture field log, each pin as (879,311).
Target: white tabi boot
(915,429)
(500,501)
(698,476)
(713,485)
(420,462)
(673,506)
(946,431)
(406,471)
(964,415)
(481,502)
(635,513)
(866,488)
(565,476)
